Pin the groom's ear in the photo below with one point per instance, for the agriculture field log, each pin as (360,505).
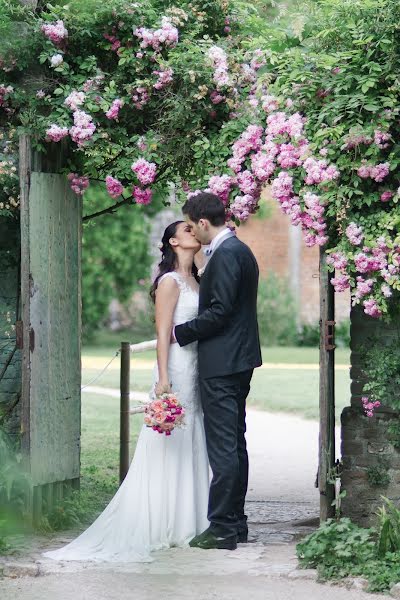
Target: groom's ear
(204,223)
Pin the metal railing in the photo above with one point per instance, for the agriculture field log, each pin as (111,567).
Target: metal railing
(125,409)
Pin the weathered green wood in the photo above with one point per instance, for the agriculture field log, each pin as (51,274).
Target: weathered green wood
(55,319)
(25,164)
(326,392)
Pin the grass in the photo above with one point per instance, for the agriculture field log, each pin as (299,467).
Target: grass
(275,354)
(100,448)
(280,389)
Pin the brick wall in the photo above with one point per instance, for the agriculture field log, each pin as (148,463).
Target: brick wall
(279,247)
(10,358)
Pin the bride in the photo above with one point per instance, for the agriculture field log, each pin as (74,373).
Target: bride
(163,499)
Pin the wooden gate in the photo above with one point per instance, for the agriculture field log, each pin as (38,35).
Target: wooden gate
(326,390)
(51,217)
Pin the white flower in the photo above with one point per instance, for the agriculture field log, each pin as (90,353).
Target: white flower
(56,60)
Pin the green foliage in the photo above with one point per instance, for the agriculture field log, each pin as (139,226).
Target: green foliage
(71,512)
(344,79)
(394,433)
(340,549)
(276,312)
(337,548)
(381,366)
(388,528)
(15,487)
(114,258)
(378,475)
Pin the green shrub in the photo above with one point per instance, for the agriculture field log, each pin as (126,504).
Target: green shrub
(340,549)
(308,335)
(337,548)
(276,312)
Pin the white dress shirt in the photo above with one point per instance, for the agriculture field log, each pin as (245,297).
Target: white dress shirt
(208,250)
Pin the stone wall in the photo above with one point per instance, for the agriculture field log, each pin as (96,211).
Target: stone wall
(371,464)
(10,357)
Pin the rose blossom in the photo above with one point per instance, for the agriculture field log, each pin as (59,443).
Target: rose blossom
(142,196)
(78,183)
(114,186)
(354,234)
(55,32)
(114,109)
(74,100)
(55,133)
(145,171)
(83,128)
(56,60)
(386,196)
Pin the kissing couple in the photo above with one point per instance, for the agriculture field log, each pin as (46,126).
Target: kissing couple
(207,348)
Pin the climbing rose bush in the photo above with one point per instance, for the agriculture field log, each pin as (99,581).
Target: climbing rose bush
(321,128)
(129,88)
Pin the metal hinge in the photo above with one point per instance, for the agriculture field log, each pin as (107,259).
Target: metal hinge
(330,335)
(31,339)
(19,334)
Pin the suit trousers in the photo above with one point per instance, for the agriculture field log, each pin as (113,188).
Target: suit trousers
(224,405)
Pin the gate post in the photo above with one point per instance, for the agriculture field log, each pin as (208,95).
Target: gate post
(326,389)
(124,410)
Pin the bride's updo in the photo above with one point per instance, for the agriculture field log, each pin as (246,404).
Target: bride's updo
(168,261)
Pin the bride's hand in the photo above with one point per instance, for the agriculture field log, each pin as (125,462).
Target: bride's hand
(162,387)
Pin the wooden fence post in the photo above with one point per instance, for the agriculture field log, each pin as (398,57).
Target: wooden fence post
(124,410)
(326,390)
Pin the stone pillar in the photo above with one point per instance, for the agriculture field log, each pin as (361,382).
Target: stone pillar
(371,463)
(10,356)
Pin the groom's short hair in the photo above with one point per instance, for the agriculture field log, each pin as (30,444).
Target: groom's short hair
(205,205)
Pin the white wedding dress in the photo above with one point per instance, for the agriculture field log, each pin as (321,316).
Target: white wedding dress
(163,499)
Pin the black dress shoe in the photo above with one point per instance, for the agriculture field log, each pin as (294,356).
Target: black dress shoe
(242,537)
(211,541)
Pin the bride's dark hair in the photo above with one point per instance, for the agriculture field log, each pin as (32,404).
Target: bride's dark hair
(168,261)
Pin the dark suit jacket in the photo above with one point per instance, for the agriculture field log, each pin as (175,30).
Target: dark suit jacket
(226,328)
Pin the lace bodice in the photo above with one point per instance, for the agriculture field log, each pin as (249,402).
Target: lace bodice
(188,302)
(182,361)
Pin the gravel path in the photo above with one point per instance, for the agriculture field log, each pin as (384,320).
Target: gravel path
(282,507)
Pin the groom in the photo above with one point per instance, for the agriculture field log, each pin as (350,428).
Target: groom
(229,349)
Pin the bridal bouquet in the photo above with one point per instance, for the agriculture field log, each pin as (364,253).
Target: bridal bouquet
(164,414)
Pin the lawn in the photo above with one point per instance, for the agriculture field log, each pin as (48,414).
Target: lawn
(283,389)
(100,447)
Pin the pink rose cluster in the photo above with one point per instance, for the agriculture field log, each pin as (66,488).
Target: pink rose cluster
(78,183)
(5,91)
(216,97)
(55,32)
(219,62)
(114,41)
(114,109)
(146,173)
(221,185)
(83,127)
(381,139)
(369,406)
(140,97)
(164,414)
(354,234)
(114,187)
(142,196)
(376,172)
(74,100)
(167,35)
(318,171)
(55,133)
(164,77)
